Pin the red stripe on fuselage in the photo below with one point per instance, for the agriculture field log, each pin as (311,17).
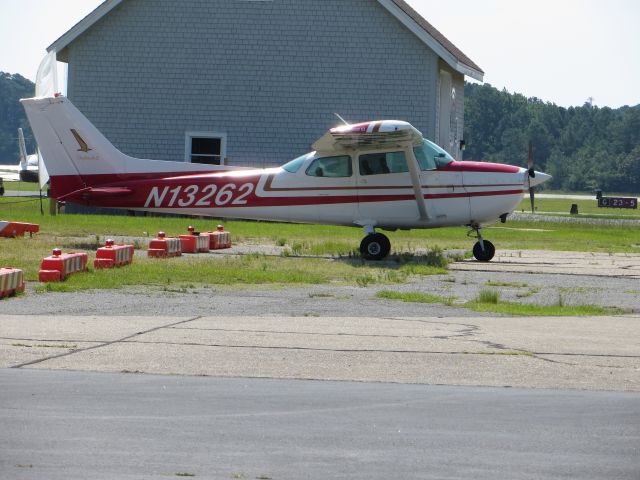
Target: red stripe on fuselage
(484,167)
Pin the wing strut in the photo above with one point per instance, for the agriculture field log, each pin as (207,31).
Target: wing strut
(415,180)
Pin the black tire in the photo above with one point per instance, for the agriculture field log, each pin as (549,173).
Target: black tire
(487,254)
(375,246)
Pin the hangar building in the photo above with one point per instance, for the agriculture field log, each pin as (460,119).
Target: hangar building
(255,82)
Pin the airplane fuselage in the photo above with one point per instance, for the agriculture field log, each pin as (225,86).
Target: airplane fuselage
(459,193)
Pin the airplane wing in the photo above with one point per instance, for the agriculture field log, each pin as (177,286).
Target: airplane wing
(10,168)
(369,135)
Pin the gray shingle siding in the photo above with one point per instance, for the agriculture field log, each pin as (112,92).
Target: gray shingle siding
(267,73)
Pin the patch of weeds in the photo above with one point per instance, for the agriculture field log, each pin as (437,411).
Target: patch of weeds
(394,276)
(185,474)
(508,353)
(496,283)
(297,248)
(436,258)
(174,289)
(488,296)
(321,295)
(449,280)
(521,309)
(286,252)
(365,280)
(528,293)
(422,269)
(281,242)
(459,257)
(414,297)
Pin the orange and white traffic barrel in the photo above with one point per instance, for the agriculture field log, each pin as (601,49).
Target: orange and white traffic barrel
(17,229)
(60,265)
(11,281)
(194,242)
(112,255)
(163,246)
(219,239)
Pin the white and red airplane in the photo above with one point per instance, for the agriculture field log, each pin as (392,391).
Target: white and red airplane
(375,175)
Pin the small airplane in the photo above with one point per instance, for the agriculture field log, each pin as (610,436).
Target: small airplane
(27,169)
(375,175)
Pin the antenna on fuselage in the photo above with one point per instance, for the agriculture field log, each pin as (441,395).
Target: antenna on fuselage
(341,119)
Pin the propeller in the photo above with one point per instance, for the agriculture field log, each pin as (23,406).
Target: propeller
(531,174)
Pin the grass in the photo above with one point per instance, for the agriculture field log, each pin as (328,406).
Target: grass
(524,309)
(489,301)
(323,239)
(489,296)
(22,186)
(182,275)
(87,232)
(414,297)
(495,283)
(585,207)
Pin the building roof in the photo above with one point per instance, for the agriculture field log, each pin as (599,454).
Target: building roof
(400,9)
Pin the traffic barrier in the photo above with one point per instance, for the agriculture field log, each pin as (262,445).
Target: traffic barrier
(164,246)
(11,281)
(17,229)
(194,242)
(112,255)
(60,265)
(219,239)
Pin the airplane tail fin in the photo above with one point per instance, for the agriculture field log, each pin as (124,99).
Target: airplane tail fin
(78,156)
(22,148)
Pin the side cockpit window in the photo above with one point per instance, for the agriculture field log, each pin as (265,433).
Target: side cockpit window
(382,163)
(339,166)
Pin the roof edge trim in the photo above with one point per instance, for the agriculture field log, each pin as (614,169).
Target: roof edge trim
(80,27)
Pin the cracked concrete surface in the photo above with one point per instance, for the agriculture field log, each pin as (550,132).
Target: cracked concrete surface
(598,353)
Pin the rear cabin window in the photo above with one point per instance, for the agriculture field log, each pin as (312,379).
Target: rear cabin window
(381,163)
(339,166)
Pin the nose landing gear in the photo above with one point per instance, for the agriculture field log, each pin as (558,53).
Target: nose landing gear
(483,250)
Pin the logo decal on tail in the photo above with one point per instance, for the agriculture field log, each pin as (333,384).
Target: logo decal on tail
(83,145)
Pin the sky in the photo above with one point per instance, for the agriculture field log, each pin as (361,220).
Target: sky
(561,51)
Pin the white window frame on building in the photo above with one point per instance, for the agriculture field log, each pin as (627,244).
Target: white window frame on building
(217,158)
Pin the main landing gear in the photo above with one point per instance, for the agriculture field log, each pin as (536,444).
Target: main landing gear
(483,250)
(376,246)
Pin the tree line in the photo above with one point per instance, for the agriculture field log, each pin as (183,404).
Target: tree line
(12,88)
(585,148)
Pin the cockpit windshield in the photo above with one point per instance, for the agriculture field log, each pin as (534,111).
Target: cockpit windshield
(430,156)
(294,165)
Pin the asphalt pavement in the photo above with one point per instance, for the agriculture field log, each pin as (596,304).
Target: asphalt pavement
(78,425)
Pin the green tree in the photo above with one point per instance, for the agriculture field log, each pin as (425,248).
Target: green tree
(12,116)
